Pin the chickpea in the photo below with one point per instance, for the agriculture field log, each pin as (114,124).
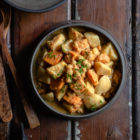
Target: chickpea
(76,75)
(92,63)
(84,72)
(73,62)
(68,80)
(80,57)
(87,63)
(70,69)
(90,56)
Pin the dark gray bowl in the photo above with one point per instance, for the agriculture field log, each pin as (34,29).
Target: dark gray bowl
(35,6)
(100,31)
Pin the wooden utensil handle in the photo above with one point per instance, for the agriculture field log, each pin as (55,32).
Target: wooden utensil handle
(31,115)
(5,106)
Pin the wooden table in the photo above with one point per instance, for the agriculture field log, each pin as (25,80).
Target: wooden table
(122,19)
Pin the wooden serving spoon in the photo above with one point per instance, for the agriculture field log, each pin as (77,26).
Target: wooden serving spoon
(4,27)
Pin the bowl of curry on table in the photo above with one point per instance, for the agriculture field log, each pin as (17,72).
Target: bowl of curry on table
(77,70)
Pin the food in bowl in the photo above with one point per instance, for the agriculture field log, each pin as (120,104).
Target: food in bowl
(78,71)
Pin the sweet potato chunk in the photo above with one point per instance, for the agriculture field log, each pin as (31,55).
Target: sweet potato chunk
(74,34)
(99,48)
(72,55)
(93,39)
(56,42)
(53,58)
(93,77)
(104,58)
(57,84)
(73,99)
(41,91)
(103,86)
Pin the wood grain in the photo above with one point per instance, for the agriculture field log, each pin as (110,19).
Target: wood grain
(113,124)
(27,30)
(31,115)
(136,69)
(115,17)
(3,131)
(5,106)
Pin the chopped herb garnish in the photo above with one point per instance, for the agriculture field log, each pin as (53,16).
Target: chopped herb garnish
(63,89)
(75,75)
(63,50)
(80,61)
(77,86)
(87,53)
(84,66)
(70,84)
(93,108)
(50,55)
(101,101)
(59,74)
(69,76)
(54,76)
(80,70)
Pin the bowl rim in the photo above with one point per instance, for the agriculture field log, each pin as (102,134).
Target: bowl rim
(101,30)
(33,10)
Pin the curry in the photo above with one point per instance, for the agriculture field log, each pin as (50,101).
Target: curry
(77,72)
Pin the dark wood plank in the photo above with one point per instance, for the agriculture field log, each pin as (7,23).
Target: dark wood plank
(136,69)
(27,29)
(113,124)
(3,131)
(54,129)
(30,26)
